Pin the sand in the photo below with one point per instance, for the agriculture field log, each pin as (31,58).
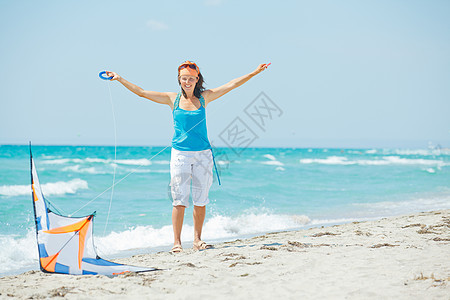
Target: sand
(406,257)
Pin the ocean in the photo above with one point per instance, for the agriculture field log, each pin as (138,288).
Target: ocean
(263,190)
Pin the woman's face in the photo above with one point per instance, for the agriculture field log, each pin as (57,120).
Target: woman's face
(188,82)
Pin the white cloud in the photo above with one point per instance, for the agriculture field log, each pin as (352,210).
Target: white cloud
(157,25)
(213,2)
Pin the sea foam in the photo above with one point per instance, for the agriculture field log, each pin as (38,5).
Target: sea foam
(218,227)
(53,188)
(89,160)
(18,253)
(383,161)
(272,160)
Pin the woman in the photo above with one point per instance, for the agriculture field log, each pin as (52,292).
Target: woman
(191,157)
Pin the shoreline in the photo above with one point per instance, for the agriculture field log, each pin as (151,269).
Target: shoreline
(405,257)
(124,254)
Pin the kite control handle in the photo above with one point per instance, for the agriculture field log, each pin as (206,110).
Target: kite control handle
(104,78)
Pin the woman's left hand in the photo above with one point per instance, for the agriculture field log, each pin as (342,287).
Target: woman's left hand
(260,68)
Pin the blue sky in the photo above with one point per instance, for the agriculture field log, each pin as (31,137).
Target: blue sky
(344,73)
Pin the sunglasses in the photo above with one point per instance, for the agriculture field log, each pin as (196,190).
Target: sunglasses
(188,64)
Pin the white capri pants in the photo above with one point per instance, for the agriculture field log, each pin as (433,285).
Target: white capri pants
(187,167)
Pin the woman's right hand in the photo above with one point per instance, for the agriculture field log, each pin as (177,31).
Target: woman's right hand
(114,75)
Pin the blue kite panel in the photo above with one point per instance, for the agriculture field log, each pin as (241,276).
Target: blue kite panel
(38,223)
(100,262)
(89,273)
(42,251)
(59,268)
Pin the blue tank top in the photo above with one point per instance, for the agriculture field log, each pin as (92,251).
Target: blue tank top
(190,127)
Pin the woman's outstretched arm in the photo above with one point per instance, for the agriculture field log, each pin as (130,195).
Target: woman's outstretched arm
(158,97)
(213,94)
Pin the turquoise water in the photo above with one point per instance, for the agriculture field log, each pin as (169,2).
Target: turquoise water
(263,189)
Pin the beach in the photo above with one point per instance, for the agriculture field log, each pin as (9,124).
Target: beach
(328,131)
(404,257)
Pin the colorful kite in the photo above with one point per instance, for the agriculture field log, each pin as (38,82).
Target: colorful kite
(66,244)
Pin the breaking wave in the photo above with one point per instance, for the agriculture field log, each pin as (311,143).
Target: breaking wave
(216,228)
(383,161)
(130,162)
(53,188)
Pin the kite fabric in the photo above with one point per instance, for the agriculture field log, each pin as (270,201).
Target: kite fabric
(66,244)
